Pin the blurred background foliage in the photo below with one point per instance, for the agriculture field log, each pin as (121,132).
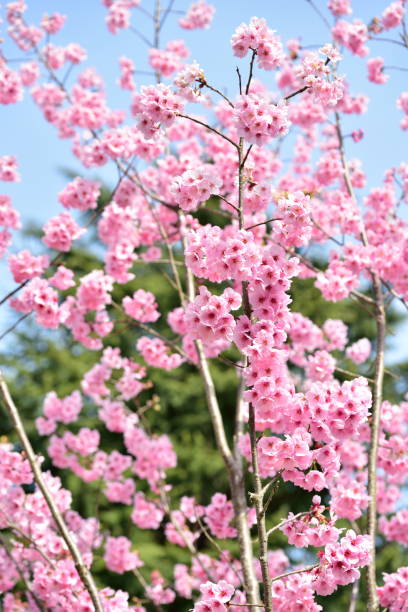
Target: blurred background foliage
(36,362)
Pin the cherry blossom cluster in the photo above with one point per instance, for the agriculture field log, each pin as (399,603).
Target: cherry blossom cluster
(340,562)
(208,317)
(61,231)
(141,306)
(168,60)
(259,38)
(56,410)
(8,169)
(194,187)
(54,578)
(155,106)
(393,595)
(198,16)
(80,193)
(258,120)
(119,14)
(294,224)
(218,255)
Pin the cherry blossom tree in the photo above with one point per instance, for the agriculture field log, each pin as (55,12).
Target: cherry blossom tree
(301,416)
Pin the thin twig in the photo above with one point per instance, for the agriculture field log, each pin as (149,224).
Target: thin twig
(286,521)
(234,144)
(390,40)
(251,71)
(141,36)
(13,327)
(353,374)
(297,571)
(262,223)
(228,202)
(318,12)
(295,93)
(249,149)
(239,81)
(395,68)
(166,13)
(217,91)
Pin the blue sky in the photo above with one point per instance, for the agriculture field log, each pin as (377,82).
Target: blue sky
(41,154)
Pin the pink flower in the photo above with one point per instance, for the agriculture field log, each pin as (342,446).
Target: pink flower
(393,15)
(118,557)
(10,85)
(94,290)
(61,231)
(258,120)
(352,35)
(375,67)
(340,7)
(63,278)
(141,306)
(257,36)
(146,514)
(154,106)
(195,186)
(8,169)
(199,16)
(156,353)
(394,594)
(25,266)
(359,351)
(53,23)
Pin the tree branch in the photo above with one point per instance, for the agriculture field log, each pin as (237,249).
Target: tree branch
(83,571)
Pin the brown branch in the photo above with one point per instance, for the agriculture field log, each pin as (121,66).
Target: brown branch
(217,91)
(262,223)
(297,571)
(239,81)
(234,144)
(224,199)
(295,93)
(353,374)
(251,70)
(249,149)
